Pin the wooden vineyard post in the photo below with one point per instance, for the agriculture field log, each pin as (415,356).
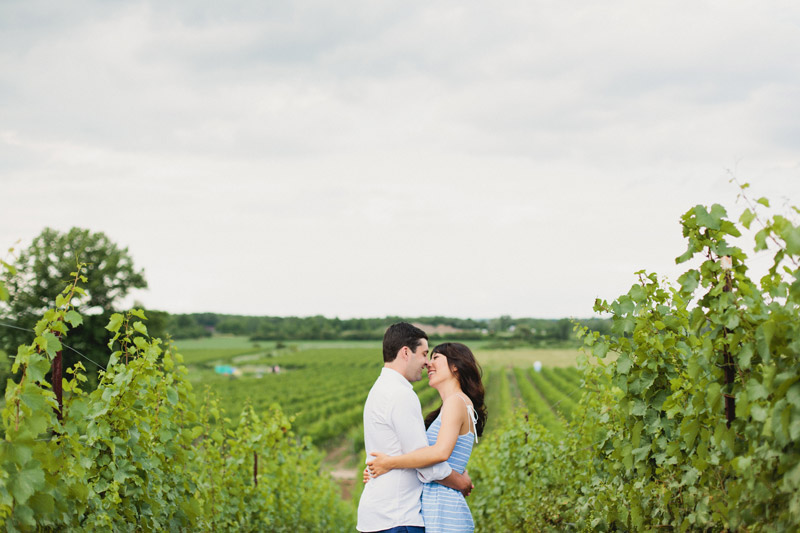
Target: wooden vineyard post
(255,468)
(728,366)
(58,371)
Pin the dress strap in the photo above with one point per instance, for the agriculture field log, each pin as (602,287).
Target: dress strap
(473,416)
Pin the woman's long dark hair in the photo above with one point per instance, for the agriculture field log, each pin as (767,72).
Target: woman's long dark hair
(469,374)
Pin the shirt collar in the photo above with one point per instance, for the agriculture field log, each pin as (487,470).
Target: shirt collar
(395,376)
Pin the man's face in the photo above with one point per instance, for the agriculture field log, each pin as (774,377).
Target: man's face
(416,361)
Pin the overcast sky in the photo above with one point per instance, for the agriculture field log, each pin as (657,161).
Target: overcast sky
(362,158)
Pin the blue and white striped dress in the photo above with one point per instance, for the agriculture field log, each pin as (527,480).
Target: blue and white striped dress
(445,510)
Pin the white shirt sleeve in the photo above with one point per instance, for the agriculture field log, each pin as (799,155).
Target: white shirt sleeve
(410,428)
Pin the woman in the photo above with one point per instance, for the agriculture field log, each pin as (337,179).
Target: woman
(451,429)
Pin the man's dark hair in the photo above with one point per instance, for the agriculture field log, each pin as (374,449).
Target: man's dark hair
(399,335)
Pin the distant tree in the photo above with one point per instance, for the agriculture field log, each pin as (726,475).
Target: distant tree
(501,324)
(186,327)
(564,329)
(43,270)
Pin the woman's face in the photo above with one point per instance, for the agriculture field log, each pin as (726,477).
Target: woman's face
(438,369)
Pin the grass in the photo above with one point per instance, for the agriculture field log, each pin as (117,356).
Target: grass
(217,342)
(525,357)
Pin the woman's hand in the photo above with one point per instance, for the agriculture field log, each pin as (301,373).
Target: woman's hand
(367,477)
(380,465)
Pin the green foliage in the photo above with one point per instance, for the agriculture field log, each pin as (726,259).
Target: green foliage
(186,326)
(652,440)
(526,478)
(138,454)
(42,270)
(507,331)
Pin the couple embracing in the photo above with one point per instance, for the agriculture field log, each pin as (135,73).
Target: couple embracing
(416,479)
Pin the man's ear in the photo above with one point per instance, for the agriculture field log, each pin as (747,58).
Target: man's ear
(405,353)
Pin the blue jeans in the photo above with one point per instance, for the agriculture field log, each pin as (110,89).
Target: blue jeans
(403,529)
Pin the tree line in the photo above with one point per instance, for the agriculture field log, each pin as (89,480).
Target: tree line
(35,275)
(319,327)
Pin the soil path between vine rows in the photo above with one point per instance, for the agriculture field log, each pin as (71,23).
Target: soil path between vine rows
(339,461)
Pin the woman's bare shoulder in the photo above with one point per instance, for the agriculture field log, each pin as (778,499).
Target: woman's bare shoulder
(457,403)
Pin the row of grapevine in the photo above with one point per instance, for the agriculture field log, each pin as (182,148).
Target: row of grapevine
(693,425)
(321,389)
(141,453)
(535,403)
(558,399)
(570,376)
(498,398)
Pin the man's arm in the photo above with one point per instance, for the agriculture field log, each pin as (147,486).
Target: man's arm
(460,482)
(453,413)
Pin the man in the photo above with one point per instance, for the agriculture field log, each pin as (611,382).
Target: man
(393,425)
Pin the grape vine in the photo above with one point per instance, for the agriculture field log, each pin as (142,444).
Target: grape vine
(139,453)
(695,425)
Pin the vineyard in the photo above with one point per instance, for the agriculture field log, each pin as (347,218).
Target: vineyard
(685,418)
(323,386)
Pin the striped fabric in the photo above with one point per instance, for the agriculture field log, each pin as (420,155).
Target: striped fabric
(444,509)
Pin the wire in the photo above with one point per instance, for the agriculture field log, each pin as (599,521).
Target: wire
(64,345)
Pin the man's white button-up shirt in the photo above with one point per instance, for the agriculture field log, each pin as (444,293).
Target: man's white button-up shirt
(393,425)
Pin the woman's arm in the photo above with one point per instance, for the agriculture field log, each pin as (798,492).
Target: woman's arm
(453,413)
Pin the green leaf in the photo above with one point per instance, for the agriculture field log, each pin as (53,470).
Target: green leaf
(792,239)
(11,269)
(755,390)
(74,318)
(22,515)
(52,344)
(693,367)
(761,239)
(764,334)
(689,434)
(172,396)
(793,394)
(624,364)
(140,327)
(763,201)
(745,356)
(758,413)
(730,228)
(26,482)
(732,319)
(600,349)
(747,218)
(140,343)
(689,281)
(794,429)
(637,293)
(114,323)
(713,393)
(42,504)
(38,367)
(138,313)
(792,478)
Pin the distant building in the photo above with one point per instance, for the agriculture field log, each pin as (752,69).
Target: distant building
(226,370)
(441,329)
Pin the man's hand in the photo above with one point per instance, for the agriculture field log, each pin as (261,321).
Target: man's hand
(467,490)
(459,482)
